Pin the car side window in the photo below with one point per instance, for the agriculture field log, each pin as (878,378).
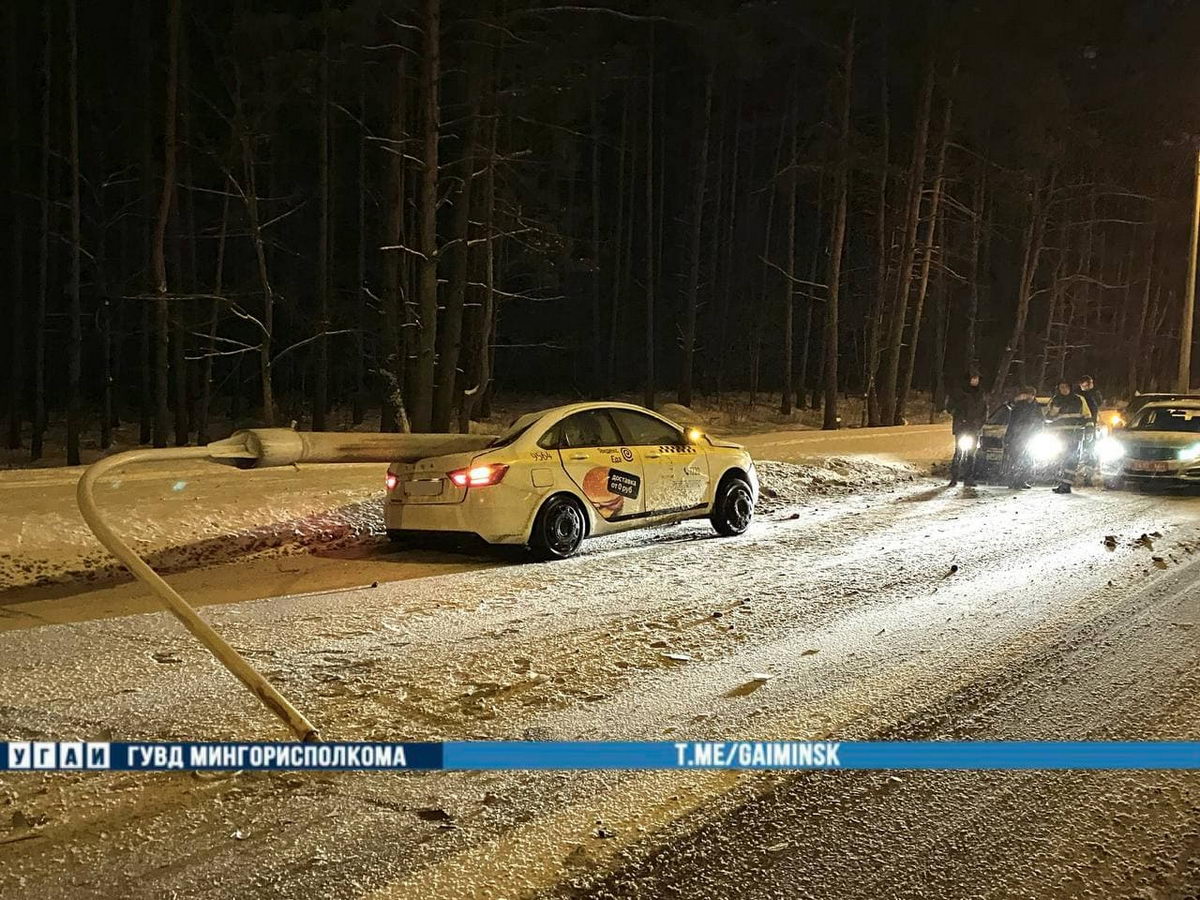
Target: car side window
(641,430)
(590,428)
(549,440)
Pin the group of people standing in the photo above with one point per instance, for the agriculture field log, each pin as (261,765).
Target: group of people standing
(1073,413)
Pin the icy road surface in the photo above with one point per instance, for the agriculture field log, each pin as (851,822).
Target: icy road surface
(852,603)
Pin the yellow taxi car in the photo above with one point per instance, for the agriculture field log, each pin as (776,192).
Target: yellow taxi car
(582,470)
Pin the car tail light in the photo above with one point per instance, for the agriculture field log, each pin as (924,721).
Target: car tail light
(478,476)
(391,480)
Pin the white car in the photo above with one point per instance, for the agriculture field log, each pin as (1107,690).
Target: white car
(1160,444)
(587,469)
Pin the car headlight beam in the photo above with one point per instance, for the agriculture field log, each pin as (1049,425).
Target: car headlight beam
(1044,446)
(966,443)
(1109,450)
(1190,453)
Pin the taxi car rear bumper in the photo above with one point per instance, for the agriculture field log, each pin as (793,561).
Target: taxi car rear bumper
(499,514)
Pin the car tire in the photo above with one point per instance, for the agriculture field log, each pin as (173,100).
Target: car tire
(733,507)
(559,528)
(1113,484)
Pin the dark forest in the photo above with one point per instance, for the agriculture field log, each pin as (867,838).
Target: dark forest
(234,211)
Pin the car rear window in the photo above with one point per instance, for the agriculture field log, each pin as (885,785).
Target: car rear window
(515,430)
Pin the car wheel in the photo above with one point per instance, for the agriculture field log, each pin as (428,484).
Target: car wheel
(1113,484)
(559,529)
(733,508)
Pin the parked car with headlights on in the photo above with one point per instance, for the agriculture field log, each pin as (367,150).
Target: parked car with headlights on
(1161,444)
(990,462)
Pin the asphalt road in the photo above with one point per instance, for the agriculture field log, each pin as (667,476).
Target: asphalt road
(851,602)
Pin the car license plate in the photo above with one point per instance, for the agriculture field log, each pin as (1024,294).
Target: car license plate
(1147,465)
(425,487)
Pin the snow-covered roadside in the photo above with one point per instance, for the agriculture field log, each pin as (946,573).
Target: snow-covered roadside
(181,517)
(205,515)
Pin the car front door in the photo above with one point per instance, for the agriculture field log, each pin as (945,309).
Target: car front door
(604,469)
(677,476)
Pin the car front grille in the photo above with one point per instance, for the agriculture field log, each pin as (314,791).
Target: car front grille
(1145,451)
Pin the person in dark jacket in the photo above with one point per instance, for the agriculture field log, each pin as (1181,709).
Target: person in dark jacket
(969,409)
(1025,419)
(1091,394)
(1069,415)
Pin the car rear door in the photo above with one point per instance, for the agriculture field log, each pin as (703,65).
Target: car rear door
(677,475)
(605,470)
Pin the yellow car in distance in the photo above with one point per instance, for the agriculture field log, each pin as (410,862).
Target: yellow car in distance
(572,472)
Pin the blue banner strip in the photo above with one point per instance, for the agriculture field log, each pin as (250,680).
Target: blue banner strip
(944,755)
(615,755)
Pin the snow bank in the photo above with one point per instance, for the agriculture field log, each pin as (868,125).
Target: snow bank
(329,530)
(790,484)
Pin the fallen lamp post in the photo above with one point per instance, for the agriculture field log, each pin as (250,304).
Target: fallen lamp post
(249,449)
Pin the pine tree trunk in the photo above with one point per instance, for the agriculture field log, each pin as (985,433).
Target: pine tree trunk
(622,249)
(204,410)
(16,209)
(941,316)
(104,317)
(39,323)
(178,337)
(422,389)
(768,274)
(801,378)
(149,211)
(715,218)
(187,373)
(649,388)
(75,341)
(450,332)
(393,361)
(721,350)
(267,321)
(895,332)
(481,377)
(975,270)
(597,315)
(159,258)
(691,300)
(837,239)
(877,308)
(931,231)
(1034,233)
(358,366)
(321,376)
(1139,337)
(789,284)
